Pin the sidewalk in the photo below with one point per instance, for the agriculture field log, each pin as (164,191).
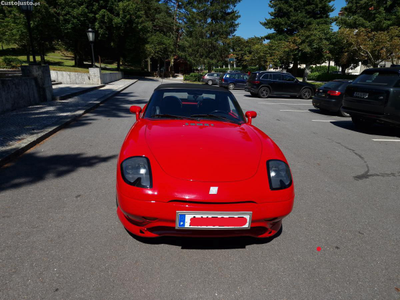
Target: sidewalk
(22,129)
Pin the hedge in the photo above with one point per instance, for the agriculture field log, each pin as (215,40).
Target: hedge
(329,77)
(10,63)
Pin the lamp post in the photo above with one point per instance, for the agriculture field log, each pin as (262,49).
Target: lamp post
(27,10)
(91,34)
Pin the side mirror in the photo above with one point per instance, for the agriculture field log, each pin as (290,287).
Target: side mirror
(250,115)
(136,110)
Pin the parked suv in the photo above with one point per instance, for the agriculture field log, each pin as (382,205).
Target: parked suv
(233,80)
(374,96)
(211,78)
(266,83)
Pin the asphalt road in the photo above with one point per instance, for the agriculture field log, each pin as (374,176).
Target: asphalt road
(61,237)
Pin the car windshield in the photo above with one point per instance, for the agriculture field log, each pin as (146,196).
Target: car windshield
(377,78)
(194,105)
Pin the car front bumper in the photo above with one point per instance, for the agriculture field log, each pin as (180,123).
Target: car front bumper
(155,219)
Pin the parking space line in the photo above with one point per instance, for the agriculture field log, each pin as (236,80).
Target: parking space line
(328,121)
(386,140)
(294,110)
(285,103)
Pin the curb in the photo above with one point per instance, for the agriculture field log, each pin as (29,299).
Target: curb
(35,139)
(74,94)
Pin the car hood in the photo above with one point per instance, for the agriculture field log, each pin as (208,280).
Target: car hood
(205,151)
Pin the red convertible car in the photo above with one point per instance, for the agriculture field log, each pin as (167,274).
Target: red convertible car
(194,165)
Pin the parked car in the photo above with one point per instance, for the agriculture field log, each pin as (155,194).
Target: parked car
(194,165)
(329,97)
(211,78)
(374,96)
(267,83)
(233,80)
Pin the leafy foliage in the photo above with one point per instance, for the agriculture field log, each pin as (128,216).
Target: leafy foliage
(375,15)
(208,26)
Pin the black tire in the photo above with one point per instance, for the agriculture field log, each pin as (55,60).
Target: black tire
(209,82)
(231,86)
(342,113)
(362,123)
(254,94)
(306,93)
(264,92)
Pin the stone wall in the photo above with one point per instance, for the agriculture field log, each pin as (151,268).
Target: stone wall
(95,76)
(17,93)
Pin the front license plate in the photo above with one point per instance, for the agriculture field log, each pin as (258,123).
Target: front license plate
(212,220)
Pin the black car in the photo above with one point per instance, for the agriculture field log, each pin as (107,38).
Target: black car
(266,83)
(374,96)
(329,97)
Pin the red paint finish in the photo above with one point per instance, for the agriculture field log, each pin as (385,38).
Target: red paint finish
(218,222)
(187,158)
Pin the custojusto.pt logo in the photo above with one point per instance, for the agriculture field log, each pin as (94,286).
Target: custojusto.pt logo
(19,3)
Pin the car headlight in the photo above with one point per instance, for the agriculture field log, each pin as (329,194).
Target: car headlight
(278,175)
(136,171)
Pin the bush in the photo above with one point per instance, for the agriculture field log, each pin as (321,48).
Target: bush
(323,69)
(10,63)
(329,77)
(222,70)
(193,77)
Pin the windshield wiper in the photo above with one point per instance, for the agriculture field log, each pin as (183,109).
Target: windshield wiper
(213,117)
(171,116)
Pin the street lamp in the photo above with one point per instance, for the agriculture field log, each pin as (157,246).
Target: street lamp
(27,10)
(91,34)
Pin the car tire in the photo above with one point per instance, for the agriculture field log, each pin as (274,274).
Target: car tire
(231,86)
(362,123)
(264,92)
(253,94)
(306,93)
(342,113)
(209,82)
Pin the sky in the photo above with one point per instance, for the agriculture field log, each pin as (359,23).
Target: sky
(255,11)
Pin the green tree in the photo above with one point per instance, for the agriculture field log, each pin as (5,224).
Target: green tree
(208,25)
(304,17)
(375,15)
(124,25)
(374,46)
(161,39)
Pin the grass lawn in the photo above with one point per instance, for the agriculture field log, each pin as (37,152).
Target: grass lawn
(58,61)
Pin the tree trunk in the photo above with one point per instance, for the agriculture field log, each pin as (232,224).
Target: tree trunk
(344,67)
(295,68)
(329,65)
(306,72)
(148,65)
(158,68)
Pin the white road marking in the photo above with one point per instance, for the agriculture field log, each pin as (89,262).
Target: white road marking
(386,140)
(285,103)
(294,110)
(324,121)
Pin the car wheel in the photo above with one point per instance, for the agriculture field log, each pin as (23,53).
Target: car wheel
(253,94)
(306,94)
(342,113)
(231,86)
(362,123)
(264,92)
(209,82)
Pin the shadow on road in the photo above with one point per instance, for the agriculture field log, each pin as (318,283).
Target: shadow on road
(32,168)
(376,129)
(189,243)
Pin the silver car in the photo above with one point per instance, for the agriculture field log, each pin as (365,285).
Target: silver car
(211,78)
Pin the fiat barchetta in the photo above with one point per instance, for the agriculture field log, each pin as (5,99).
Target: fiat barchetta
(194,165)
